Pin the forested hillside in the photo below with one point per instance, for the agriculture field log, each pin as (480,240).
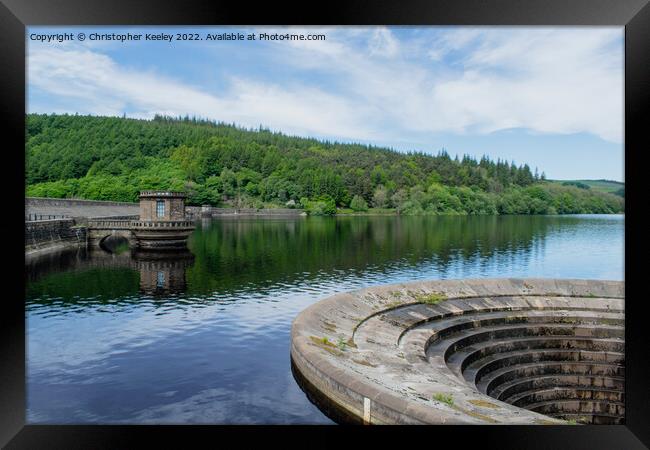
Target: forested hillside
(609,186)
(109,158)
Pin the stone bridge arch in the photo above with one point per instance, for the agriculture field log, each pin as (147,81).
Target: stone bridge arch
(101,229)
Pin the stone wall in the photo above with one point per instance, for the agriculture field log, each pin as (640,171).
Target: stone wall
(174,208)
(177,208)
(201,211)
(78,208)
(53,233)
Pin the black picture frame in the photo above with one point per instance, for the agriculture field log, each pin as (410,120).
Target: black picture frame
(15,15)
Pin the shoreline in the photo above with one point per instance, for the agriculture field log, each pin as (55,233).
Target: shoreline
(470,215)
(34,252)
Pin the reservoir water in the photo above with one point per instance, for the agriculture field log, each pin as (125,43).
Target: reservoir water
(203,337)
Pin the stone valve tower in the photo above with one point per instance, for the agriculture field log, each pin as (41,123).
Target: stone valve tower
(162,224)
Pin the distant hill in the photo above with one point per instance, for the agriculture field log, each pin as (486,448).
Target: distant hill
(608,186)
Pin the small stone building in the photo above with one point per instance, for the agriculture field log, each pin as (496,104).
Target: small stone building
(159,206)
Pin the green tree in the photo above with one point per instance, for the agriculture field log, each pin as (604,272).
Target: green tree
(190,160)
(358,203)
(380,197)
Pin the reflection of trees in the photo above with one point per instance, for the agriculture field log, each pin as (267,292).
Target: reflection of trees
(232,254)
(80,274)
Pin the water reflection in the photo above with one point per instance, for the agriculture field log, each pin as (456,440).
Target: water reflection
(162,273)
(203,336)
(98,272)
(233,255)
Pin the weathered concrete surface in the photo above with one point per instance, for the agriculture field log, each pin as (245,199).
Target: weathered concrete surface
(79,208)
(50,235)
(447,352)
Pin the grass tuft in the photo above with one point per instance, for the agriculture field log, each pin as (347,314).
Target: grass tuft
(447,399)
(431,299)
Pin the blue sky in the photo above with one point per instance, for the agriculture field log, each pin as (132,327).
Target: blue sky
(549,97)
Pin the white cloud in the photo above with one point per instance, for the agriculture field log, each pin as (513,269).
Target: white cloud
(547,80)
(383,43)
(103,87)
(380,85)
(551,81)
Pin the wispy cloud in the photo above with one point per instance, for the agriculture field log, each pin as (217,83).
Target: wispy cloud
(376,83)
(96,84)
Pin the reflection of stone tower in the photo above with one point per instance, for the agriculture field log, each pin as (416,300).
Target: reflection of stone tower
(162,273)
(162,223)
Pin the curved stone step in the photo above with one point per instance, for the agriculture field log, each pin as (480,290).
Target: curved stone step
(441,328)
(522,399)
(515,386)
(461,360)
(499,376)
(510,340)
(483,334)
(400,320)
(589,407)
(482,367)
(545,326)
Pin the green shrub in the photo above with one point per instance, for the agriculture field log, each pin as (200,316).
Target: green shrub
(322,207)
(358,204)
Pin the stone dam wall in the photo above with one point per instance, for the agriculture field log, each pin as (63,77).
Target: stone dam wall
(202,211)
(59,208)
(53,223)
(71,208)
(53,234)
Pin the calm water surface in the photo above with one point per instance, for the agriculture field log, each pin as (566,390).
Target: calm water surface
(203,337)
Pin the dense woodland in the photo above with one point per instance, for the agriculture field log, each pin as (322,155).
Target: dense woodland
(110,158)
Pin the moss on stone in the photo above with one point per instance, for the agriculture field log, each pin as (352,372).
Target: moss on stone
(484,404)
(431,299)
(447,399)
(475,414)
(326,345)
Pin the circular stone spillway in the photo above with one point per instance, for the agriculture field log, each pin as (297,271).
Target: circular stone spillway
(484,351)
